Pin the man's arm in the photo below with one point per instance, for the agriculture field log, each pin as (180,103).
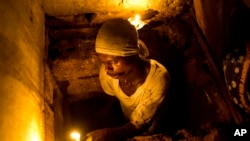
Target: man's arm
(128,130)
(114,134)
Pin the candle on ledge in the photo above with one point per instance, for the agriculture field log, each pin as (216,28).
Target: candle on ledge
(76,136)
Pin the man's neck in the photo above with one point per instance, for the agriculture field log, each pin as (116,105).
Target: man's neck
(138,72)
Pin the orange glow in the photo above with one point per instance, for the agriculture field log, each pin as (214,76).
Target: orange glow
(34,137)
(137,4)
(136,21)
(34,131)
(76,136)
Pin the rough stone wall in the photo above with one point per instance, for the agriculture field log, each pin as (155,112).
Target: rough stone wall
(64,7)
(210,15)
(106,9)
(76,64)
(49,110)
(21,70)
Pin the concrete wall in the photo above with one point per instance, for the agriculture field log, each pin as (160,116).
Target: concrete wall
(21,70)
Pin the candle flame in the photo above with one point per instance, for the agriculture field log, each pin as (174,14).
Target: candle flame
(76,136)
(136,21)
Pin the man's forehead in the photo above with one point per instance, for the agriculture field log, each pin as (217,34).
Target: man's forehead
(103,56)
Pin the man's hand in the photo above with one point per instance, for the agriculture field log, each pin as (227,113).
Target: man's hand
(113,134)
(106,134)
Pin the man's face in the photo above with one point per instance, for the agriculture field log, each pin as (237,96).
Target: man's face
(115,66)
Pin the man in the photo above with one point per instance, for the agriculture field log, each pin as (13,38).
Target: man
(139,84)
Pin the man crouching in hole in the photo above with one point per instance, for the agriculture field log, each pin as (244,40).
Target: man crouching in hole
(138,83)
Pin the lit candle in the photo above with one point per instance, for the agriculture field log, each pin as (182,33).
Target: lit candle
(76,136)
(136,21)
